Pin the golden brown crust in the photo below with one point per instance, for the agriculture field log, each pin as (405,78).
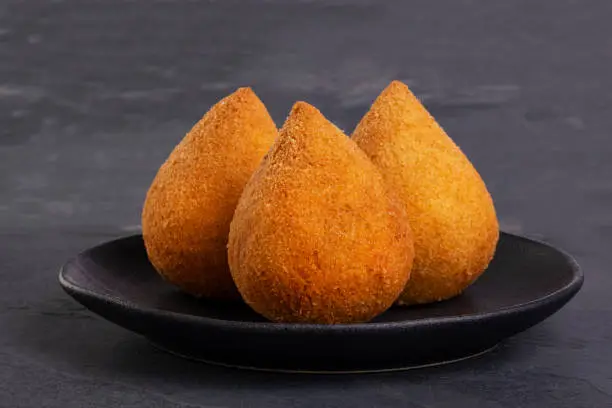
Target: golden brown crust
(190,204)
(315,237)
(451,212)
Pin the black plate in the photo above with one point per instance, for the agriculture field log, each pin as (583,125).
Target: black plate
(526,282)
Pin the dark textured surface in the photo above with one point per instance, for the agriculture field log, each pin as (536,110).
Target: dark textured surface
(93,95)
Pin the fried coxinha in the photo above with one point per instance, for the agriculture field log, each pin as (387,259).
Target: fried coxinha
(190,204)
(307,225)
(450,209)
(317,237)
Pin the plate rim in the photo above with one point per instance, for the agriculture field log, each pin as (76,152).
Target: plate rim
(570,289)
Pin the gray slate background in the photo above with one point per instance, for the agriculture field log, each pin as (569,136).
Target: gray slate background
(93,95)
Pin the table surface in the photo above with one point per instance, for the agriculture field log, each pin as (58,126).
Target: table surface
(93,95)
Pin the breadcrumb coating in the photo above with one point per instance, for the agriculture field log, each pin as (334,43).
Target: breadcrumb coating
(316,236)
(451,212)
(190,204)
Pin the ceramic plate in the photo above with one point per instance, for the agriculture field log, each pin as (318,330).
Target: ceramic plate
(526,282)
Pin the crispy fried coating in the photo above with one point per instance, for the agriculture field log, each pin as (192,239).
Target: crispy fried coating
(190,204)
(451,213)
(316,238)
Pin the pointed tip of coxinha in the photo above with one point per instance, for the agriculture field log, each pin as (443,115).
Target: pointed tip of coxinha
(308,130)
(242,100)
(301,108)
(399,96)
(244,91)
(302,118)
(398,89)
(228,122)
(305,118)
(397,86)
(241,95)
(398,116)
(240,103)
